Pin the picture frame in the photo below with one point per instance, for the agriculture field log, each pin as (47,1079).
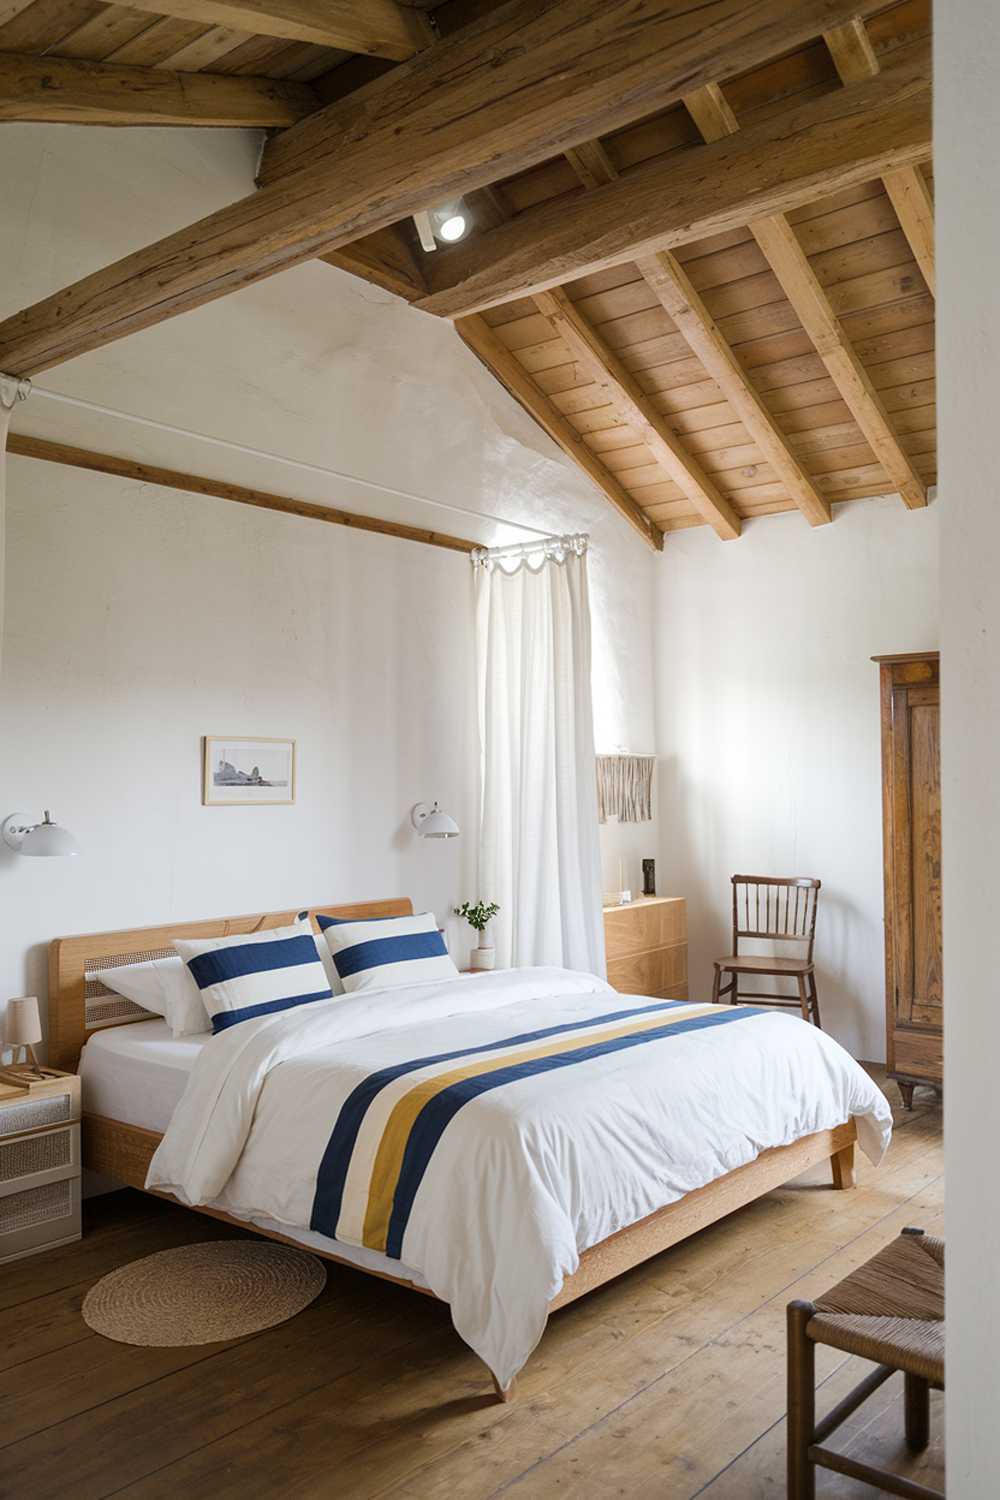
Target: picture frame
(247,771)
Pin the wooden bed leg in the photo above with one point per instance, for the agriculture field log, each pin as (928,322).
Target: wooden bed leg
(502,1395)
(842,1163)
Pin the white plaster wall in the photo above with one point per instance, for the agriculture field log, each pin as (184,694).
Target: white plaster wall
(768,727)
(139,619)
(967,126)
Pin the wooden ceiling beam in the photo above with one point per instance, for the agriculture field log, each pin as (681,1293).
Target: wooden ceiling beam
(500,95)
(497,358)
(381,28)
(23,446)
(65,90)
(854,58)
(524,75)
(634,407)
(384,259)
(813,149)
(789,262)
(698,328)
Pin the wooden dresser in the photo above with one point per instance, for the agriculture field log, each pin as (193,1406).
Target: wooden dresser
(911,832)
(646,945)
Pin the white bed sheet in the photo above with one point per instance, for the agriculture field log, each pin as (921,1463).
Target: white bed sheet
(138,1073)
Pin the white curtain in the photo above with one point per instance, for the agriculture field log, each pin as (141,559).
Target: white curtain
(539,855)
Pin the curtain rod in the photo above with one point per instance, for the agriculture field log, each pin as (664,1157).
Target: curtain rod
(26,387)
(577,541)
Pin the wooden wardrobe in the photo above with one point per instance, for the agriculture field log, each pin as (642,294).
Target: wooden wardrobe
(911,834)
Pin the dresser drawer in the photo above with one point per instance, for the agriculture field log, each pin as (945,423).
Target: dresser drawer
(33,1160)
(650,973)
(636,929)
(38,1109)
(35,1218)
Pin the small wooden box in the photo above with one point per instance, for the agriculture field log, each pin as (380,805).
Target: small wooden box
(39,1167)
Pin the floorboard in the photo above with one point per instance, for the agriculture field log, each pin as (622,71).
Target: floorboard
(669,1383)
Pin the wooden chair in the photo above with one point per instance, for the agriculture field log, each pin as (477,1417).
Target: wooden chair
(782,910)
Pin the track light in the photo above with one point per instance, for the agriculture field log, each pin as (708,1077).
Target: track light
(449,223)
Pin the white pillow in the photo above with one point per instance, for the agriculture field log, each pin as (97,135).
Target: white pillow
(142,983)
(241,978)
(185,1011)
(386,952)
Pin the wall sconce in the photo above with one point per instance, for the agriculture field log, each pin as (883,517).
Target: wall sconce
(43,840)
(432,823)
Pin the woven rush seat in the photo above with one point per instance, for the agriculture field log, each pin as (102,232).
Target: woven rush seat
(890,1311)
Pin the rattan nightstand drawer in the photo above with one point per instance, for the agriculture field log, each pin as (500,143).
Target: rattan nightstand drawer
(31,1160)
(37,1218)
(23,1111)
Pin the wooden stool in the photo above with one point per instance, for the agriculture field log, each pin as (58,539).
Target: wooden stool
(890,1310)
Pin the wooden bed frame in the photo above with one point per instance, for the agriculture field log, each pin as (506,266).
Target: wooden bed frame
(79,1005)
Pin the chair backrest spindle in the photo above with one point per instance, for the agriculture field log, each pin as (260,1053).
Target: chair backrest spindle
(801,898)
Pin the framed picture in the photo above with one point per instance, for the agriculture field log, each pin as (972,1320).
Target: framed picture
(242,772)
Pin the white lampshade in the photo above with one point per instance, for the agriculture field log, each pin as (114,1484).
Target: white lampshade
(22,1025)
(432,823)
(47,839)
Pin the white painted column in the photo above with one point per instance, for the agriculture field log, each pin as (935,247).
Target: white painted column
(967,97)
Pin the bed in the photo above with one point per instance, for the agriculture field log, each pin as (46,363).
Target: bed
(135,1075)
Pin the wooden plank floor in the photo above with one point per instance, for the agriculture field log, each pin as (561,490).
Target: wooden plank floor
(667,1384)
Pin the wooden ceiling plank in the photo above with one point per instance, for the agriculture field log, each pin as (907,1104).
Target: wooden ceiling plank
(828,144)
(783,251)
(854,58)
(69,89)
(634,408)
(380,28)
(697,326)
(501,94)
(504,365)
(23,446)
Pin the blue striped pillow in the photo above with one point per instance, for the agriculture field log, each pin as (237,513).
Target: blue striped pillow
(241,978)
(385,952)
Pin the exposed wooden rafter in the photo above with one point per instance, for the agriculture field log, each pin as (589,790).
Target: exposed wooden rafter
(698,328)
(66,90)
(196,484)
(385,259)
(854,58)
(783,251)
(634,407)
(497,357)
(821,147)
(504,93)
(382,28)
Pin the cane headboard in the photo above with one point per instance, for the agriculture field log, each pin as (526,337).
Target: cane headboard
(80,1004)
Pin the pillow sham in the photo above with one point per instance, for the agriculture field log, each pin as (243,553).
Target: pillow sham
(386,952)
(240,978)
(141,983)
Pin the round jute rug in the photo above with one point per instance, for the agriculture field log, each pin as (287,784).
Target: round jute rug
(202,1294)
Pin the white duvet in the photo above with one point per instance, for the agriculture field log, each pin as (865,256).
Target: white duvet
(485,1130)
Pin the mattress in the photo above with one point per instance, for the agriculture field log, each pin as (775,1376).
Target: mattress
(137,1074)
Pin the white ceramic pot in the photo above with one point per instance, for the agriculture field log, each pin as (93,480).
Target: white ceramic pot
(485,955)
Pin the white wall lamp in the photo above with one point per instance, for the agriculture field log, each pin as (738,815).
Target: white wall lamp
(449,223)
(43,840)
(432,823)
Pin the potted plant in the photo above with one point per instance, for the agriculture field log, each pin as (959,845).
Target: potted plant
(479,915)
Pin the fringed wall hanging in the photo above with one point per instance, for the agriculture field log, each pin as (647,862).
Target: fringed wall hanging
(625,787)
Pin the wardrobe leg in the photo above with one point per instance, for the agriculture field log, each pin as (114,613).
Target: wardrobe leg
(906,1089)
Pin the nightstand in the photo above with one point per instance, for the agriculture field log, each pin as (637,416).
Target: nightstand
(39,1167)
